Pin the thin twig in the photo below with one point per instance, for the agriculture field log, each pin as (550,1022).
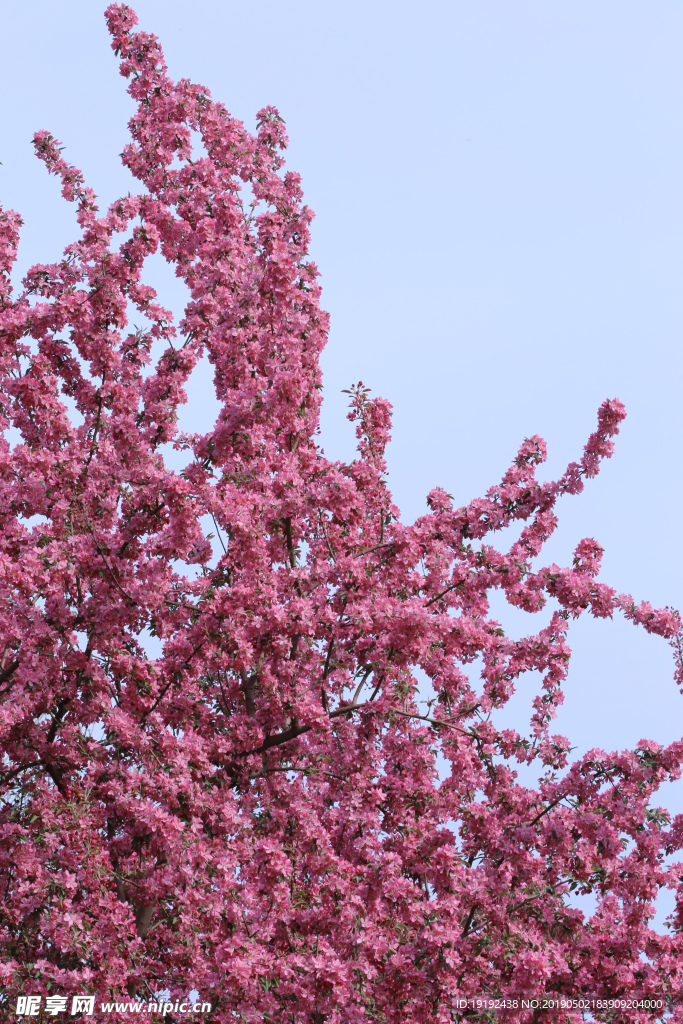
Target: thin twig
(313,771)
(367,551)
(327,541)
(546,809)
(361,684)
(225,550)
(434,721)
(444,592)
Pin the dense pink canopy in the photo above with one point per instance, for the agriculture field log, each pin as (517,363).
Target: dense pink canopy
(256,813)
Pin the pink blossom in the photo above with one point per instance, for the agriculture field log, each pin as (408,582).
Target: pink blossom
(256,813)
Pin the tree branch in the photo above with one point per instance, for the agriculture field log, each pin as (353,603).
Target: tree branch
(295,730)
(443,593)
(434,721)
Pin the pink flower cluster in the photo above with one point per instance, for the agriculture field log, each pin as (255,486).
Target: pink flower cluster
(256,813)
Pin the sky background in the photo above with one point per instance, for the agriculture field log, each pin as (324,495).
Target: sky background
(497,188)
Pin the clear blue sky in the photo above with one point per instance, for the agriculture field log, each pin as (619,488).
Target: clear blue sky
(499,231)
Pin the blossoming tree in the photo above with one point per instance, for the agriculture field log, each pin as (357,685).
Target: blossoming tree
(256,812)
